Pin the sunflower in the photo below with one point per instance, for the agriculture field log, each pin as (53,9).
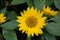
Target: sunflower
(31,22)
(2,18)
(47,10)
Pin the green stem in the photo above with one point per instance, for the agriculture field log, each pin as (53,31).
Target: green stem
(29,38)
(1,37)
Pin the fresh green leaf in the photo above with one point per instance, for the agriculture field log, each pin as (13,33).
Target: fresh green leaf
(47,36)
(9,34)
(57,18)
(3,10)
(16,2)
(30,3)
(49,2)
(11,15)
(38,4)
(53,28)
(57,3)
(10,25)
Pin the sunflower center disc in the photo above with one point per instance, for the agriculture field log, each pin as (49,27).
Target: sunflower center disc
(31,21)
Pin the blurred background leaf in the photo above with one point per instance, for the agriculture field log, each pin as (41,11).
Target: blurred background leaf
(3,10)
(57,18)
(2,3)
(36,3)
(57,3)
(47,36)
(49,2)
(11,15)
(39,4)
(16,2)
(29,3)
(9,34)
(54,27)
(10,25)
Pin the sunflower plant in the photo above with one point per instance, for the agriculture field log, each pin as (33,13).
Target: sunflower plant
(29,19)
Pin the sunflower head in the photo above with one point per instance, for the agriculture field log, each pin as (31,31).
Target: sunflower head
(31,22)
(2,18)
(47,10)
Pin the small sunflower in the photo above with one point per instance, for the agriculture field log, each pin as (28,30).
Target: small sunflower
(47,10)
(31,22)
(2,18)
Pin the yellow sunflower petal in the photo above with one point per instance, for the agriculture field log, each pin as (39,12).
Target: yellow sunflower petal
(47,10)
(2,18)
(31,21)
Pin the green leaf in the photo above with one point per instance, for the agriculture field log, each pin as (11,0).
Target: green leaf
(11,15)
(16,2)
(49,2)
(42,38)
(9,34)
(30,3)
(3,10)
(10,25)
(47,36)
(57,18)
(57,3)
(38,4)
(53,28)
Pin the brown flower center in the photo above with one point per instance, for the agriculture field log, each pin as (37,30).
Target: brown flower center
(31,21)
